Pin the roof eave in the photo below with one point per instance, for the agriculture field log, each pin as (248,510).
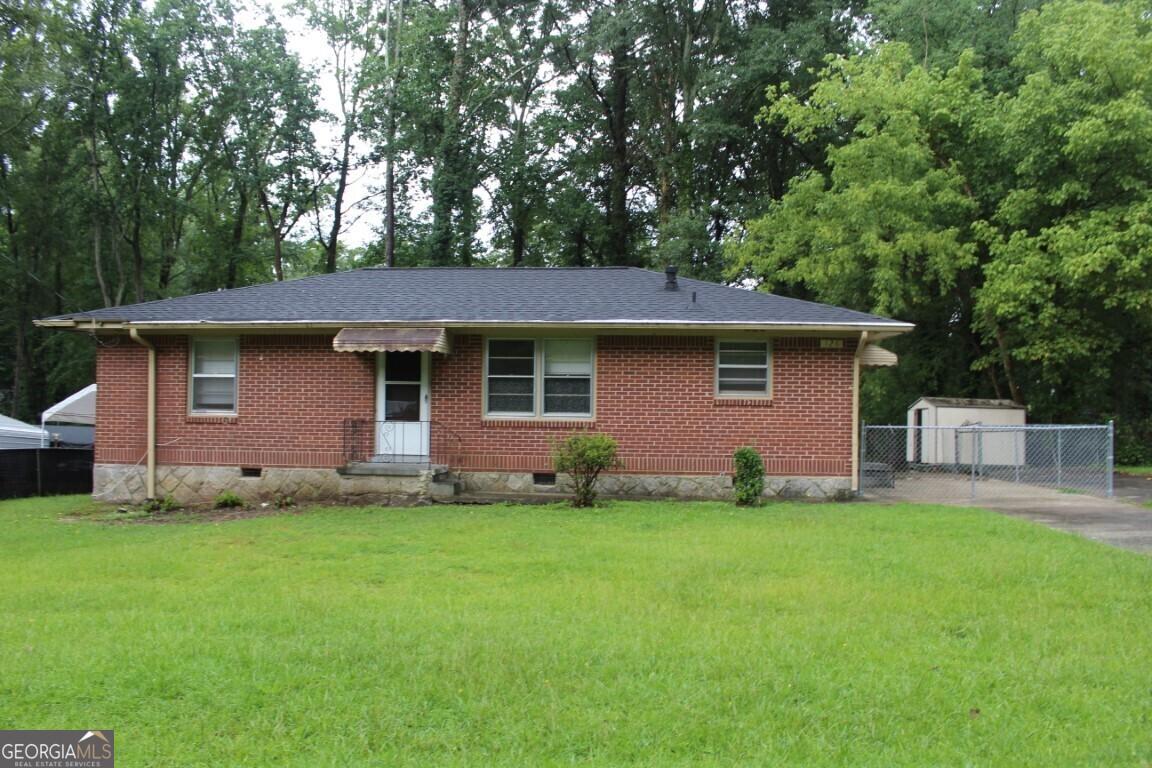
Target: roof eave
(876,331)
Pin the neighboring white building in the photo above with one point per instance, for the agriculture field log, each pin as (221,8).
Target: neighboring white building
(942,433)
(17,434)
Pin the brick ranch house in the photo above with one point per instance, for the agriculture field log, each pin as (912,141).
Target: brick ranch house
(400,385)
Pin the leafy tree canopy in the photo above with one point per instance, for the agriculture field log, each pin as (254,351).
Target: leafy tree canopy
(1011,225)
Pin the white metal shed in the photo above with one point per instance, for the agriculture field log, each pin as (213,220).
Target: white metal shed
(936,433)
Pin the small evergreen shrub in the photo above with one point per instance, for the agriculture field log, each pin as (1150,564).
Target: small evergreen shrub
(748,483)
(583,456)
(228,500)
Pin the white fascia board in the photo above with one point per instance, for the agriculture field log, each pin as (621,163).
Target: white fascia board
(877,331)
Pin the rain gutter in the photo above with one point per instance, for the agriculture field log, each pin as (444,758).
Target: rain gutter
(860,347)
(151,446)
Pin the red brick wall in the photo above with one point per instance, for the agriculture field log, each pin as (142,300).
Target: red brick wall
(121,402)
(294,394)
(654,394)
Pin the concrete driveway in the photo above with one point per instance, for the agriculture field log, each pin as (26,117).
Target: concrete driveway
(1121,522)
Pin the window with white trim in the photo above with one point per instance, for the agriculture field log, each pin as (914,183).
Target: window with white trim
(214,367)
(533,377)
(743,368)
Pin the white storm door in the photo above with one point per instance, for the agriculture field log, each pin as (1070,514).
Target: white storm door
(403,430)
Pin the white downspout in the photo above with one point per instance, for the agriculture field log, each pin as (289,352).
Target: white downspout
(856,411)
(150,478)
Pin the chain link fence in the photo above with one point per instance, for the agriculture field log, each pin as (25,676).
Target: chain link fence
(980,461)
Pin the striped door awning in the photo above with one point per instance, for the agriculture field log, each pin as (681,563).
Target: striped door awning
(392,340)
(875,356)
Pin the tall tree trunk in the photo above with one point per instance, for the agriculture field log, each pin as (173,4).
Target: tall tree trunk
(448,181)
(97,235)
(1009,366)
(332,244)
(137,241)
(518,236)
(274,228)
(618,247)
(395,22)
(237,238)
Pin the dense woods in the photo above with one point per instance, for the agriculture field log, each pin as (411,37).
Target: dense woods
(980,170)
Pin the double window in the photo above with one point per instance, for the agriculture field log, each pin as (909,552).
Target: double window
(213,381)
(743,368)
(539,377)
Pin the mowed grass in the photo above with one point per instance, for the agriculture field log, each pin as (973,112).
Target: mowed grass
(633,635)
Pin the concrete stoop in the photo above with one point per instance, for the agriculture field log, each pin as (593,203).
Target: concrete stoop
(444,485)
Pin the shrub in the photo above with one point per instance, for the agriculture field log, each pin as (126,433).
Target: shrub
(748,483)
(228,500)
(1133,442)
(165,504)
(583,456)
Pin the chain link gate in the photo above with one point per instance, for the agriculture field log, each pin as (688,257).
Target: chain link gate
(980,461)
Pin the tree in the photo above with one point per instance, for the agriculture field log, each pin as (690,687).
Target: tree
(1069,286)
(352,32)
(1010,226)
(274,108)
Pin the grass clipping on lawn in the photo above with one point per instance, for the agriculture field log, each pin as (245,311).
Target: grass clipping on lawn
(637,634)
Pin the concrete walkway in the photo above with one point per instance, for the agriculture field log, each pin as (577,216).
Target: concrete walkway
(1121,522)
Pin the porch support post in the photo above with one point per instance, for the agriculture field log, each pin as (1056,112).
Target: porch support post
(150,478)
(856,411)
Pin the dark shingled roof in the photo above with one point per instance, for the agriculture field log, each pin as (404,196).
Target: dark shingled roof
(609,296)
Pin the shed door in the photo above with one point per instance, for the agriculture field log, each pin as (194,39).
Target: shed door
(918,435)
(402,407)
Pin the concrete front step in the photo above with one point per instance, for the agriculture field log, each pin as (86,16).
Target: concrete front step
(479,497)
(392,469)
(444,491)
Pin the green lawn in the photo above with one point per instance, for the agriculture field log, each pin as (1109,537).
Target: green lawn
(638,634)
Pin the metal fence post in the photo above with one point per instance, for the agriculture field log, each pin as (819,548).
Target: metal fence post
(972,463)
(1016,453)
(1110,459)
(1059,457)
(860,473)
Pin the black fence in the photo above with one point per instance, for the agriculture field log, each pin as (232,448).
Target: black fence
(45,472)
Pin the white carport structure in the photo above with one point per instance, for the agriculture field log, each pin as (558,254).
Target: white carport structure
(77,408)
(17,434)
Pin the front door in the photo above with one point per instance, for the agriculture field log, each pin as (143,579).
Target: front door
(402,408)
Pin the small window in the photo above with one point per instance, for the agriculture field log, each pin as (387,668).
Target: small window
(214,366)
(743,368)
